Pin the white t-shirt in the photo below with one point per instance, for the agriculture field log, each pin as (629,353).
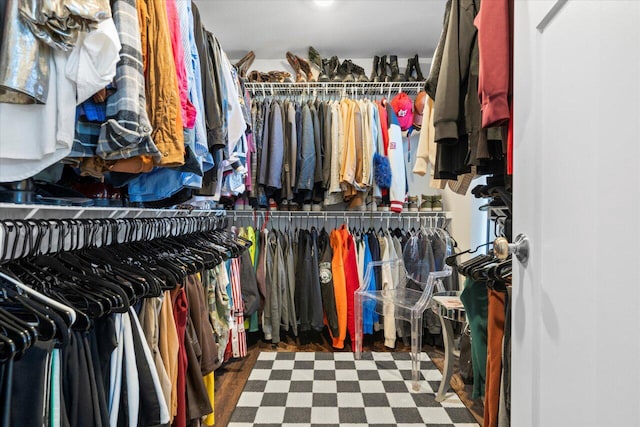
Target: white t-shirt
(33,137)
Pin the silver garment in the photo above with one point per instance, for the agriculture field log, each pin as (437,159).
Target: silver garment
(24,61)
(58,22)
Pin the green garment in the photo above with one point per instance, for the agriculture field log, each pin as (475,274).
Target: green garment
(475,299)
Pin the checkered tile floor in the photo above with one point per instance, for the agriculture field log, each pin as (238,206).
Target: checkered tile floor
(334,389)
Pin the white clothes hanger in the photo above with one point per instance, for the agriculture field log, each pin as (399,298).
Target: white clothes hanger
(43,298)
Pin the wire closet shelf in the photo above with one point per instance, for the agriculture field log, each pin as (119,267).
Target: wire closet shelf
(334,88)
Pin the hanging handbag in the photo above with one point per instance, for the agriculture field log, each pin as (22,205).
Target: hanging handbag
(464,361)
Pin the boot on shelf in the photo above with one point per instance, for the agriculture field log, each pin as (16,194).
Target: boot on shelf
(358,73)
(416,67)
(325,71)
(295,64)
(382,69)
(316,61)
(375,77)
(306,69)
(395,69)
(341,71)
(243,64)
(349,72)
(334,64)
(408,73)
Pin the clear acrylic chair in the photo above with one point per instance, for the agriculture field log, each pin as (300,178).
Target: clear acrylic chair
(392,297)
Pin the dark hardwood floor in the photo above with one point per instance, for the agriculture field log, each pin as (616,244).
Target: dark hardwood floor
(232,376)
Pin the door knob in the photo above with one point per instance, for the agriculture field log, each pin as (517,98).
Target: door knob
(520,248)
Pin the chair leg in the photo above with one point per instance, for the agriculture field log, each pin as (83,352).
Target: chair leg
(447,332)
(416,349)
(358,321)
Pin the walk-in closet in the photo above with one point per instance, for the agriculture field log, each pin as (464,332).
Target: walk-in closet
(319,213)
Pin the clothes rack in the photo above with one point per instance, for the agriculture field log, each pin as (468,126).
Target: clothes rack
(83,299)
(24,237)
(278,219)
(333,88)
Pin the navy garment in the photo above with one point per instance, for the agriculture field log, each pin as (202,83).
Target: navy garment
(326,282)
(374,248)
(308,296)
(30,404)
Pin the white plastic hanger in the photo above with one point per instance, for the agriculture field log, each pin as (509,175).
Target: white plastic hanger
(43,298)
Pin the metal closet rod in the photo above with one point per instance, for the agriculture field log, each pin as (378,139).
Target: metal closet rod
(345,215)
(279,219)
(332,214)
(28,237)
(319,88)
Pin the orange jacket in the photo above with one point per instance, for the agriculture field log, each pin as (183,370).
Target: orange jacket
(339,287)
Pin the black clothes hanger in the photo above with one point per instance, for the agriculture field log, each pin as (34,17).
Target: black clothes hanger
(56,288)
(478,261)
(451,260)
(27,311)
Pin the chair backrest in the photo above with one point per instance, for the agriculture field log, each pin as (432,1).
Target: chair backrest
(396,269)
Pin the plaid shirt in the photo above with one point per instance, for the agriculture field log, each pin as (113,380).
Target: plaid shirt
(127,132)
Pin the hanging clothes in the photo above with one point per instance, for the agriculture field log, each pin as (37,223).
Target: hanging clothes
(117,366)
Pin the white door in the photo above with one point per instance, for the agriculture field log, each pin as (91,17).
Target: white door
(576,323)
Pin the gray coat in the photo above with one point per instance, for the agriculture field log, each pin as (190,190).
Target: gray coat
(307,154)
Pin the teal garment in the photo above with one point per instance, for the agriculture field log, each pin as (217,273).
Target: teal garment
(475,299)
(54,405)
(253,323)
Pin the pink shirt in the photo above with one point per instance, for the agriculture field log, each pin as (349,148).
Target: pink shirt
(188,110)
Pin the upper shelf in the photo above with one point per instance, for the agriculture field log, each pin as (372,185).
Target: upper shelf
(350,88)
(15,211)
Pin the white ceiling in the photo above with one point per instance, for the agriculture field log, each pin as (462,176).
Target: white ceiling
(347,28)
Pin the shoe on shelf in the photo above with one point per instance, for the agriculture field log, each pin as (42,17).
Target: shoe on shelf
(306,207)
(408,73)
(358,73)
(382,69)
(243,64)
(273,206)
(384,205)
(375,77)
(295,64)
(416,68)
(426,205)
(255,76)
(436,203)
(293,206)
(326,71)
(306,69)
(349,72)
(413,203)
(277,77)
(395,69)
(316,207)
(341,71)
(357,203)
(333,67)
(316,62)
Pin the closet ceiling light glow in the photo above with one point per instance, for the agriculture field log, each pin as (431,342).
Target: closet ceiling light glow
(323,3)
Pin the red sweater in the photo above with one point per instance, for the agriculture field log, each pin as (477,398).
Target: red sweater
(494,23)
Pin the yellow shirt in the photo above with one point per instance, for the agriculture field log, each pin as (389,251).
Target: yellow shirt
(161,82)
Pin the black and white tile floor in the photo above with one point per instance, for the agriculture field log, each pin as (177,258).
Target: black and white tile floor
(334,389)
